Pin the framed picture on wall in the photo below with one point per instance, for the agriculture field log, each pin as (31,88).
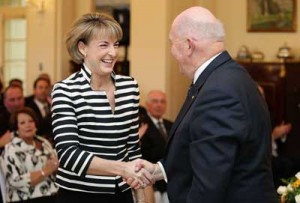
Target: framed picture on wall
(271,15)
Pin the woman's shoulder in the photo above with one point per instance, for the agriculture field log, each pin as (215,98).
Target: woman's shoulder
(72,79)
(16,144)
(74,83)
(124,79)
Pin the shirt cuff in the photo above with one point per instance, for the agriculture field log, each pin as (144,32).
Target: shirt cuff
(163,171)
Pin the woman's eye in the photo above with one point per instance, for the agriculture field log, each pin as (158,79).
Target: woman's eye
(116,45)
(103,45)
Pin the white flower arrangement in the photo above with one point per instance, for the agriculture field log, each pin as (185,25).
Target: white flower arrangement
(291,192)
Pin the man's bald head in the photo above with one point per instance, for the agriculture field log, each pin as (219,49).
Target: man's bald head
(198,23)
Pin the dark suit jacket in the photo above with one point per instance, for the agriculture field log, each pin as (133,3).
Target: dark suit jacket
(4,120)
(44,125)
(219,149)
(153,146)
(4,123)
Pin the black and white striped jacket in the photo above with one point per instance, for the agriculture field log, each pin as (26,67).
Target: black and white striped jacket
(84,126)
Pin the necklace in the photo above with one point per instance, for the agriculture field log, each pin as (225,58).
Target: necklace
(34,144)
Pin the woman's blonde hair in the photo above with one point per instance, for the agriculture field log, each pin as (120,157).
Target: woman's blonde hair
(86,28)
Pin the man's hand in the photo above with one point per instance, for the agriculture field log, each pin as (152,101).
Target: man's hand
(5,139)
(138,178)
(281,130)
(144,167)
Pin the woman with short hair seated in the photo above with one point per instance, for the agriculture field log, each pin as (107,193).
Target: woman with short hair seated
(28,162)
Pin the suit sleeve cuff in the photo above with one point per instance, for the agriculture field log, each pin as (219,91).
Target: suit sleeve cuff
(163,171)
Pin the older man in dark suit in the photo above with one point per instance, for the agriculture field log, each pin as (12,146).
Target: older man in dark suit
(154,140)
(219,147)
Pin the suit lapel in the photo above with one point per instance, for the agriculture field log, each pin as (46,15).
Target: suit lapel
(217,62)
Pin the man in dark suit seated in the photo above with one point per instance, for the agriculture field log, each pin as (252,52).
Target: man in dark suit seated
(154,141)
(39,102)
(13,100)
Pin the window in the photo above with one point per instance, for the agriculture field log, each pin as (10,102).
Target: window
(13,34)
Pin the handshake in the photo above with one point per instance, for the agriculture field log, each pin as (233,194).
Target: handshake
(141,173)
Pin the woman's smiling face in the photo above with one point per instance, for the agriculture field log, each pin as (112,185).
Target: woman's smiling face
(101,54)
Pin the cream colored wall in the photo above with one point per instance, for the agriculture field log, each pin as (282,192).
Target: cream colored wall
(234,16)
(41,42)
(151,63)
(148,44)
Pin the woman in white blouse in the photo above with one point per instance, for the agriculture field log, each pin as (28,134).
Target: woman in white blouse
(28,162)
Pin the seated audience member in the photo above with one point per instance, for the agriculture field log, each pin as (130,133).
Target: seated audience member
(47,76)
(1,93)
(28,162)
(13,100)
(15,81)
(40,104)
(283,166)
(154,141)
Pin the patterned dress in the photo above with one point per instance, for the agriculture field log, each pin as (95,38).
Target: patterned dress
(18,160)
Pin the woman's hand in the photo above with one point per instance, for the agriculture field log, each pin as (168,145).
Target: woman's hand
(140,178)
(144,169)
(51,166)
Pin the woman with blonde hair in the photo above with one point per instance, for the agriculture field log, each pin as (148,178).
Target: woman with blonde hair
(95,118)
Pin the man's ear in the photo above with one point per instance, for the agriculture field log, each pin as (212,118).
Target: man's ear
(82,48)
(190,46)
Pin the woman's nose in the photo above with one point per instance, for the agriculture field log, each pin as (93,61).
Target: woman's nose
(113,51)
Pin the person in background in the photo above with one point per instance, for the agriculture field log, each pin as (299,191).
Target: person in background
(1,93)
(40,104)
(143,126)
(154,140)
(15,81)
(28,162)
(283,166)
(13,100)
(95,118)
(47,77)
(219,147)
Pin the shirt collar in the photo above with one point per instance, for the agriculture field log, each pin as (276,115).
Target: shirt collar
(41,105)
(87,74)
(203,66)
(155,120)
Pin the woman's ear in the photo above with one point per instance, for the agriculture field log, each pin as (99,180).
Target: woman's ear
(82,48)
